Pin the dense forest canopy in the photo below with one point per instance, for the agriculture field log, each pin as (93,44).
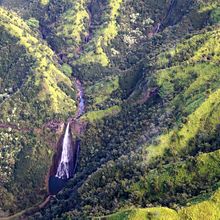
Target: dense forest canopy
(138,84)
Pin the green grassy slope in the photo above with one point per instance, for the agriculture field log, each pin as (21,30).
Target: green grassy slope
(73,24)
(176,124)
(46,74)
(192,89)
(189,81)
(208,209)
(103,36)
(34,93)
(152,116)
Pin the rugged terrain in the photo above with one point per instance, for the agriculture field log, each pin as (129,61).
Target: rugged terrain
(148,71)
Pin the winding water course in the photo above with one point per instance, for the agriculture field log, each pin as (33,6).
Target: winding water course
(67,161)
(80,94)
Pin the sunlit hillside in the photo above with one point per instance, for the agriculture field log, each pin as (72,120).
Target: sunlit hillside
(110,109)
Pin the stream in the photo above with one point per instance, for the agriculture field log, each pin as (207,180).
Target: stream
(80,95)
(157,28)
(65,159)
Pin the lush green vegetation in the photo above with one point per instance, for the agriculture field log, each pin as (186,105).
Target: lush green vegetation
(44,2)
(204,210)
(216,15)
(10,83)
(145,214)
(45,69)
(102,91)
(193,91)
(72,24)
(97,115)
(150,140)
(33,90)
(103,36)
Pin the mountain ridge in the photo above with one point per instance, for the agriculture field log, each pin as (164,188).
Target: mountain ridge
(149,70)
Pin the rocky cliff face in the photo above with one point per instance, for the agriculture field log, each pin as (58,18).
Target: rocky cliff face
(149,70)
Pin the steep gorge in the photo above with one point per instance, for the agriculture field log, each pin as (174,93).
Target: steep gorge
(65,160)
(140,108)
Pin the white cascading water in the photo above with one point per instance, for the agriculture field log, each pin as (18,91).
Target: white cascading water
(65,168)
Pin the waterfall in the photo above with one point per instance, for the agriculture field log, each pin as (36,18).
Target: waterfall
(65,167)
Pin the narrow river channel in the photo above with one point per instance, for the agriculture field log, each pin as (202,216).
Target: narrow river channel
(65,159)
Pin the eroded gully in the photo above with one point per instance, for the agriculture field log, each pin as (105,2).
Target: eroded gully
(64,161)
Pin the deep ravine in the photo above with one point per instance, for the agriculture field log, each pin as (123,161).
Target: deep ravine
(159,26)
(65,158)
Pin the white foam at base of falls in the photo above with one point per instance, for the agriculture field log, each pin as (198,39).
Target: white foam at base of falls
(65,169)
